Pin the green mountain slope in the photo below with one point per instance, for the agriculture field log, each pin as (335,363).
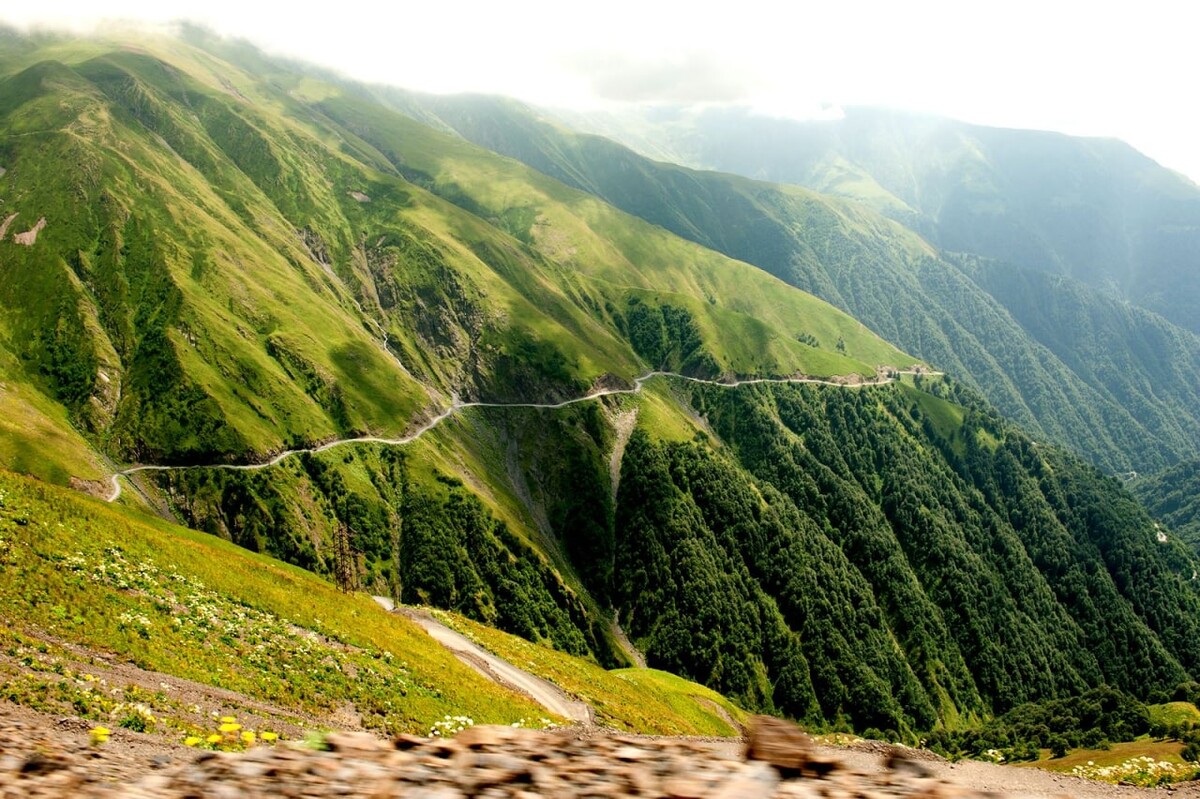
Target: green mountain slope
(229,269)
(241,255)
(880,556)
(1113,387)
(225,270)
(753,552)
(1132,357)
(155,594)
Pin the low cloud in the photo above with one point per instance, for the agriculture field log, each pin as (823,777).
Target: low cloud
(685,78)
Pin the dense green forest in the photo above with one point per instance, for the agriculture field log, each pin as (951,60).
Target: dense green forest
(1094,719)
(897,558)
(1004,572)
(1174,496)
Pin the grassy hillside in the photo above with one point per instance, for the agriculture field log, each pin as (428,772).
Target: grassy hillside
(740,312)
(1174,714)
(231,266)
(191,606)
(645,700)
(242,255)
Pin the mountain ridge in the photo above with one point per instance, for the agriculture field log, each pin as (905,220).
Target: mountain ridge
(298,357)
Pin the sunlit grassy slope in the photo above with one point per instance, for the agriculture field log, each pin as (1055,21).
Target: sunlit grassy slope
(190,605)
(187,604)
(36,435)
(1115,755)
(646,700)
(233,264)
(1174,713)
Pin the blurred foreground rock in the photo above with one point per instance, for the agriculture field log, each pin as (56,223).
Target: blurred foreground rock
(484,762)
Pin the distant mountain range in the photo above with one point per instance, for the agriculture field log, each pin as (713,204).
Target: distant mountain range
(1092,209)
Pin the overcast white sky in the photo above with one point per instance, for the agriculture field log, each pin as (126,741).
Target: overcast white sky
(1099,68)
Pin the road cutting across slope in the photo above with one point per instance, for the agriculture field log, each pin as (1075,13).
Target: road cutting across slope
(853,381)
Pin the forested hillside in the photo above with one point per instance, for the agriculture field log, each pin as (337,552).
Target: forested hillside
(878,557)
(1174,496)
(971,546)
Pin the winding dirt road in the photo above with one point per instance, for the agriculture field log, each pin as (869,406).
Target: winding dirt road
(457,406)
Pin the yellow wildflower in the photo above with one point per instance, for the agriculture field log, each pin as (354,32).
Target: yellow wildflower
(99,735)
(229,727)
(270,737)
(247,737)
(193,740)
(228,719)
(214,738)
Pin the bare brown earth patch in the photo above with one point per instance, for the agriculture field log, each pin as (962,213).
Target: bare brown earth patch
(30,236)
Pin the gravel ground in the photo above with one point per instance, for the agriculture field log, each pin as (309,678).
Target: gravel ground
(45,756)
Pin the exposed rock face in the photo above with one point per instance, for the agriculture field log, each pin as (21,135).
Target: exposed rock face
(485,762)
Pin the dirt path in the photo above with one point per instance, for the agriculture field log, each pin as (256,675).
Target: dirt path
(623,424)
(545,693)
(636,656)
(852,381)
